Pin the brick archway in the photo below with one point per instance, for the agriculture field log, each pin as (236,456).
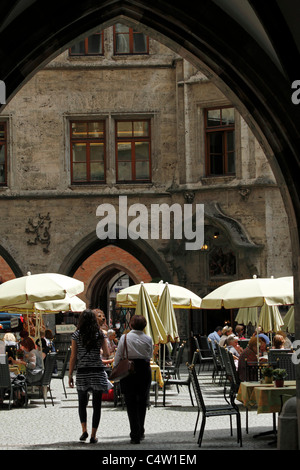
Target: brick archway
(99,268)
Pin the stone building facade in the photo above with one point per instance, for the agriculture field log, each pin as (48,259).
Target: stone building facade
(49,212)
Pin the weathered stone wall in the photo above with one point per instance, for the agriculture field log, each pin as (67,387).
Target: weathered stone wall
(174,94)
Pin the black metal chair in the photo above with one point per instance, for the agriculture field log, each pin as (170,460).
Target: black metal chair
(204,346)
(232,379)
(282,359)
(243,343)
(61,374)
(216,362)
(212,410)
(7,386)
(208,359)
(222,370)
(175,348)
(179,382)
(45,381)
(174,370)
(252,371)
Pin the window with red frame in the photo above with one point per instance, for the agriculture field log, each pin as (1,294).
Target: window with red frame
(133,151)
(92,45)
(87,151)
(220,141)
(3,151)
(129,41)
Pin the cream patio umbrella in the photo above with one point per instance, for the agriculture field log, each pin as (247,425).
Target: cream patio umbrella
(269,318)
(250,293)
(38,288)
(72,304)
(26,292)
(180,296)
(145,307)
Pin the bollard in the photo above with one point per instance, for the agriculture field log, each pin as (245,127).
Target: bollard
(287,438)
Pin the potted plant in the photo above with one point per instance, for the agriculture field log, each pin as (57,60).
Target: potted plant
(267,374)
(278,376)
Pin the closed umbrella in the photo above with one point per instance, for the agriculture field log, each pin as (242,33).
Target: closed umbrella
(166,313)
(146,308)
(38,288)
(180,296)
(270,318)
(246,315)
(289,320)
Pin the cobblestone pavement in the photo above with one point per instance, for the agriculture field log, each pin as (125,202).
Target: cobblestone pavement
(169,429)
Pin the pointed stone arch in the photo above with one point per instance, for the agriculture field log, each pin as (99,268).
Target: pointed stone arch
(140,249)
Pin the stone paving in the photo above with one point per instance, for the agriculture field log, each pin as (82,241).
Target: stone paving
(168,429)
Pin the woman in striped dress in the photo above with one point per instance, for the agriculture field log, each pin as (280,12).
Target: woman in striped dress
(87,341)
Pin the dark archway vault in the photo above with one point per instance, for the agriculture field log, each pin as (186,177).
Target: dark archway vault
(214,33)
(33,32)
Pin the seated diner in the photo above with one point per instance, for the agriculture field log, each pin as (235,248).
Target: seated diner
(249,356)
(33,361)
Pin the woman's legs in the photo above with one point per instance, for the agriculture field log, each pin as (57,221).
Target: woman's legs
(97,401)
(83,399)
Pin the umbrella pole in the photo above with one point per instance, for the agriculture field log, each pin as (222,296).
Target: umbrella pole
(257,338)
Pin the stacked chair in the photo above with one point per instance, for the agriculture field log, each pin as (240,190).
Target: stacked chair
(204,354)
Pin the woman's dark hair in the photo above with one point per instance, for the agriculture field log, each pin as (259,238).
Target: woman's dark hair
(89,329)
(28,343)
(138,322)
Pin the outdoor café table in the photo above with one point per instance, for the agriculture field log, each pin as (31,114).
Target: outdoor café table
(156,374)
(14,370)
(267,398)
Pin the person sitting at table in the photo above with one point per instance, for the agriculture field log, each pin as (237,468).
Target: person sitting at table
(33,361)
(287,341)
(45,348)
(261,334)
(227,330)
(112,342)
(215,335)
(239,331)
(278,342)
(234,348)
(11,345)
(248,356)
(263,348)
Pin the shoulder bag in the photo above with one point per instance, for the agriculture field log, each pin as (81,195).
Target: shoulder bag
(124,368)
